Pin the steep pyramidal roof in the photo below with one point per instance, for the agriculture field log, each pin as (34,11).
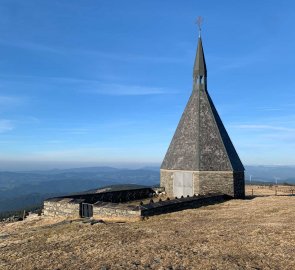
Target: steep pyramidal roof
(201,142)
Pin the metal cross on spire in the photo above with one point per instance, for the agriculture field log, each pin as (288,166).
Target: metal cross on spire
(199,23)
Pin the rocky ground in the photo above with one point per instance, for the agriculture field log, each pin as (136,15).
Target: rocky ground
(257,233)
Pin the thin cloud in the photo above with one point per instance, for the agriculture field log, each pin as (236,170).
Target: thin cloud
(124,57)
(264,127)
(77,131)
(228,63)
(54,142)
(281,107)
(107,126)
(270,109)
(97,86)
(127,57)
(288,138)
(5,125)
(258,56)
(129,90)
(69,131)
(86,153)
(31,46)
(10,100)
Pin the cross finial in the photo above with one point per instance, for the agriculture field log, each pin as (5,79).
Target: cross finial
(199,23)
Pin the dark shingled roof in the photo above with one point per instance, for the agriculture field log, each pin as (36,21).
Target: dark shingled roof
(201,142)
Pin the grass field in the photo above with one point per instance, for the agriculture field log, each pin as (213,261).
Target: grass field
(256,233)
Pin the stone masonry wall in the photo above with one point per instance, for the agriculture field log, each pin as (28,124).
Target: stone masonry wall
(166,181)
(205,182)
(216,181)
(113,212)
(196,179)
(239,185)
(61,208)
(226,182)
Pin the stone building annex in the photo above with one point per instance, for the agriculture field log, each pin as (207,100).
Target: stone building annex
(201,166)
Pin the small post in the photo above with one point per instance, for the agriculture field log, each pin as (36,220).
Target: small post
(252,192)
(24,214)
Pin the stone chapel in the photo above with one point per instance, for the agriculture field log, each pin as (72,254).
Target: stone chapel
(201,158)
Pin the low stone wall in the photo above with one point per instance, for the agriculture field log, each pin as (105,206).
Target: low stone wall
(114,211)
(124,212)
(69,206)
(72,207)
(168,206)
(66,207)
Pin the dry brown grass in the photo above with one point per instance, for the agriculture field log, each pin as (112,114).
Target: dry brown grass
(269,190)
(257,233)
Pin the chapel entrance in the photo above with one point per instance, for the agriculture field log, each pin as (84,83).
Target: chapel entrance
(183,184)
(86,210)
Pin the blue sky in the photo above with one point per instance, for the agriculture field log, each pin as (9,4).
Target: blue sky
(105,82)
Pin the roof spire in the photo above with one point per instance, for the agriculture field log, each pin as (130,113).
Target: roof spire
(200,70)
(199,23)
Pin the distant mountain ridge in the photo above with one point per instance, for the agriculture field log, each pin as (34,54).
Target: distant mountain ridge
(20,190)
(269,173)
(23,189)
(75,170)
